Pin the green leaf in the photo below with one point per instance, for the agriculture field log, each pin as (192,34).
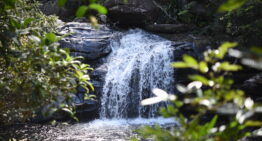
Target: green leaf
(253,123)
(9,4)
(257,50)
(61,3)
(91,86)
(179,65)
(51,37)
(203,67)
(222,50)
(199,78)
(27,21)
(212,123)
(81,11)
(68,111)
(133,139)
(15,23)
(99,8)
(231,5)
(226,66)
(183,12)
(192,62)
(92,1)
(178,103)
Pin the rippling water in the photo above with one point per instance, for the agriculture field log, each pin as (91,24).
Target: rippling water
(110,129)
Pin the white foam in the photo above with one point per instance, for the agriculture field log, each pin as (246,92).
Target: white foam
(138,63)
(129,122)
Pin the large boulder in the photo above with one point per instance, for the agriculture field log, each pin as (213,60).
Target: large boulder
(132,12)
(86,41)
(93,45)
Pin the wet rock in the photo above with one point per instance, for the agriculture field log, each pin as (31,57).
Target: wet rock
(86,41)
(132,12)
(93,45)
(181,48)
(252,86)
(168,28)
(98,78)
(89,109)
(99,73)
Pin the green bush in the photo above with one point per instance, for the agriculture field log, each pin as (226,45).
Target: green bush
(209,93)
(34,71)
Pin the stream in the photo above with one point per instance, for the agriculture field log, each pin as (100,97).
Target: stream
(137,63)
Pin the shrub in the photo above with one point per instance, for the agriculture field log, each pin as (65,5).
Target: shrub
(34,71)
(209,94)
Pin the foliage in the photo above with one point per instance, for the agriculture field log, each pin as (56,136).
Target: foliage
(209,93)
(231,5)
(83,9)
(245,23)
(199,13)
(34,71)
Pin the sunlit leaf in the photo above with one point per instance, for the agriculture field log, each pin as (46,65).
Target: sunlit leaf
(192,62)
(81,11)
(68,111)
(253,123)
(222,50)
(182,88)
(150,101)
(231,5)
(51,37)
(249,103)
(203,67)
(226,66)
(194,85)
(160,93)
(93,21)
(200,78)
(99,8)
(179,65)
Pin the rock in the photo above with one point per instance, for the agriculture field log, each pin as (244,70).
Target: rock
(168,28)
(133,13)
(89,109)
(252,87)
(181,48)
(99,73)
(86,41)
(93,45)
(65,13)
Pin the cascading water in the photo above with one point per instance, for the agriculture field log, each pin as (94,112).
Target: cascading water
(138,63)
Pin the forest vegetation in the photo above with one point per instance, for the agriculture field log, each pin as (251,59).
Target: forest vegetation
(35,72)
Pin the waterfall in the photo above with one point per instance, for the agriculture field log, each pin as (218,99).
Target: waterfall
(138,63)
